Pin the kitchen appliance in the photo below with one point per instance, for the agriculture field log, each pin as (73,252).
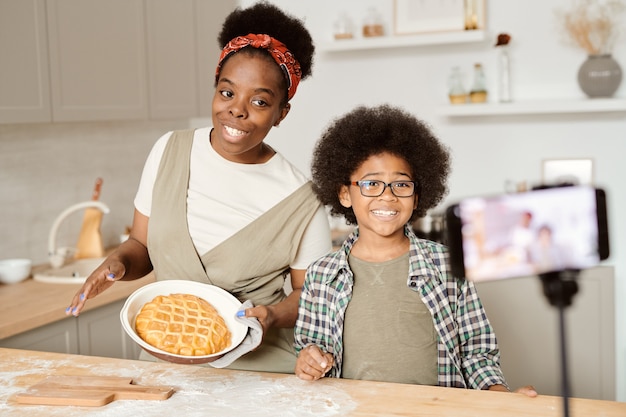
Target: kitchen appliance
(432,227)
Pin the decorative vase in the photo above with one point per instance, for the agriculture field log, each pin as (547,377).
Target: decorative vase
(600,76)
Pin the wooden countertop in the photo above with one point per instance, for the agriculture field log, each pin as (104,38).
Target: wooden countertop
(30,304)
(202,391)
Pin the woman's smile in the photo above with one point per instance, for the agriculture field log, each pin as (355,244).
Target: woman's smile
(235,133)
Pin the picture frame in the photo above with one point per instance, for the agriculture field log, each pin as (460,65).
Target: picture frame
(427,16)
(576,171)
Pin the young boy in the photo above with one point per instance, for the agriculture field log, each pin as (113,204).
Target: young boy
(384,306)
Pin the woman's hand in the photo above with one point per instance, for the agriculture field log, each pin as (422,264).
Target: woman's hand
(101,279)
(312,364)
(263,314)
(284,313)
(129,261)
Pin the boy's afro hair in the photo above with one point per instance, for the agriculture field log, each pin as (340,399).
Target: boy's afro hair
(267,19)
(366,131)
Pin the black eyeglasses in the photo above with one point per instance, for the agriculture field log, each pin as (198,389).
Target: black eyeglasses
(375,188)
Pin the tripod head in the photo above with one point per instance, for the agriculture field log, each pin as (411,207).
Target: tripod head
(560,286)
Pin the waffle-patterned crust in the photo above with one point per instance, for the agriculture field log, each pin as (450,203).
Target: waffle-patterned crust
(182,324)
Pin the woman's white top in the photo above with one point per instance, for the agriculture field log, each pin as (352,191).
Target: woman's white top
(225,196)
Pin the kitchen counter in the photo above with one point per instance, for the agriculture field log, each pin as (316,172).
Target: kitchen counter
(201,391)
(30,304)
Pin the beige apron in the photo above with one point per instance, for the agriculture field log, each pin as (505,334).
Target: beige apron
(252,264)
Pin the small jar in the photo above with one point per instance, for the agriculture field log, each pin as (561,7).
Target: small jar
(478,92)
(343,28)
(456,90)
(373,25)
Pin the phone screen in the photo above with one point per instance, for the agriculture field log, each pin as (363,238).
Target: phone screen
(528,233)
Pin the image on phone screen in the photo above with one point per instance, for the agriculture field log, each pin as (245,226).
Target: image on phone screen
(528,233)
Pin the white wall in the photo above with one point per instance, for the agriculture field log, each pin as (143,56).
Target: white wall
(486,151)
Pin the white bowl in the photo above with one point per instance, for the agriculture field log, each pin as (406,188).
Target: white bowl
(14,270)
(223,301)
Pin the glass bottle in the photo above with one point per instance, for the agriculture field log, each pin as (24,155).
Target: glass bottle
(456,90)
(478,92)
(504,73)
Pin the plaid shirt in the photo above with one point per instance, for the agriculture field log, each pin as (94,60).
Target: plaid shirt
(468,354)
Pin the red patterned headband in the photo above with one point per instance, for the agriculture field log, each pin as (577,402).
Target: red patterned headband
(283,57)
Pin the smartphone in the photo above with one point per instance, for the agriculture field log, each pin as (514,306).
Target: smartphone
(527,233)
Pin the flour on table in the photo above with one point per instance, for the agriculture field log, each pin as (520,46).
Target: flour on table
(205,394)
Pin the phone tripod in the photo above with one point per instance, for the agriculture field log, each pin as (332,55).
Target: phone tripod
(560,287)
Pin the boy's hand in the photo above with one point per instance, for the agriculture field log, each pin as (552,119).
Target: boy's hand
(313,364)
(527,390)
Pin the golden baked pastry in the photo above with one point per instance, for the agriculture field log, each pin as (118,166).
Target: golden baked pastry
(182,324)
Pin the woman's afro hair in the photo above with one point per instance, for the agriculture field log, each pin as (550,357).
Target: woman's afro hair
(267,19)
(365,131)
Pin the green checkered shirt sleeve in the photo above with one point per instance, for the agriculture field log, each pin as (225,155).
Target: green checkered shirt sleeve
(321,309)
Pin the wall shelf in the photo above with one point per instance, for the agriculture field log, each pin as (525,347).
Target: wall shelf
(402,41)
(562,106)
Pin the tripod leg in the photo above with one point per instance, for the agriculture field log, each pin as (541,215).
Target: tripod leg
(564,373)
(560,287)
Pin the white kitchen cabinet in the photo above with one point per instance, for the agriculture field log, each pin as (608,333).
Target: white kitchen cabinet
(86,60)
(100,333)
(527,328)
(171,58)
(97,59)
(96,332)
(209,18)
(133,59)
(182,55)
(60,337)
(24,76)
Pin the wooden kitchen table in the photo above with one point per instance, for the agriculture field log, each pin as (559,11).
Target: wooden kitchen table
(202,391)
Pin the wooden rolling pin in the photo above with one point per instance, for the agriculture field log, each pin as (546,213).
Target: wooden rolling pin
(90,239)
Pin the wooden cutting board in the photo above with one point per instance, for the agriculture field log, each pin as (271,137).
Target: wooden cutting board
(91,391)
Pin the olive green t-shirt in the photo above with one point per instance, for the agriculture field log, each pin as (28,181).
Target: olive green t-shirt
(388,333)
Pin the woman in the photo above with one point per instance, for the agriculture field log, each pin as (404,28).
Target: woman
(218,205)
